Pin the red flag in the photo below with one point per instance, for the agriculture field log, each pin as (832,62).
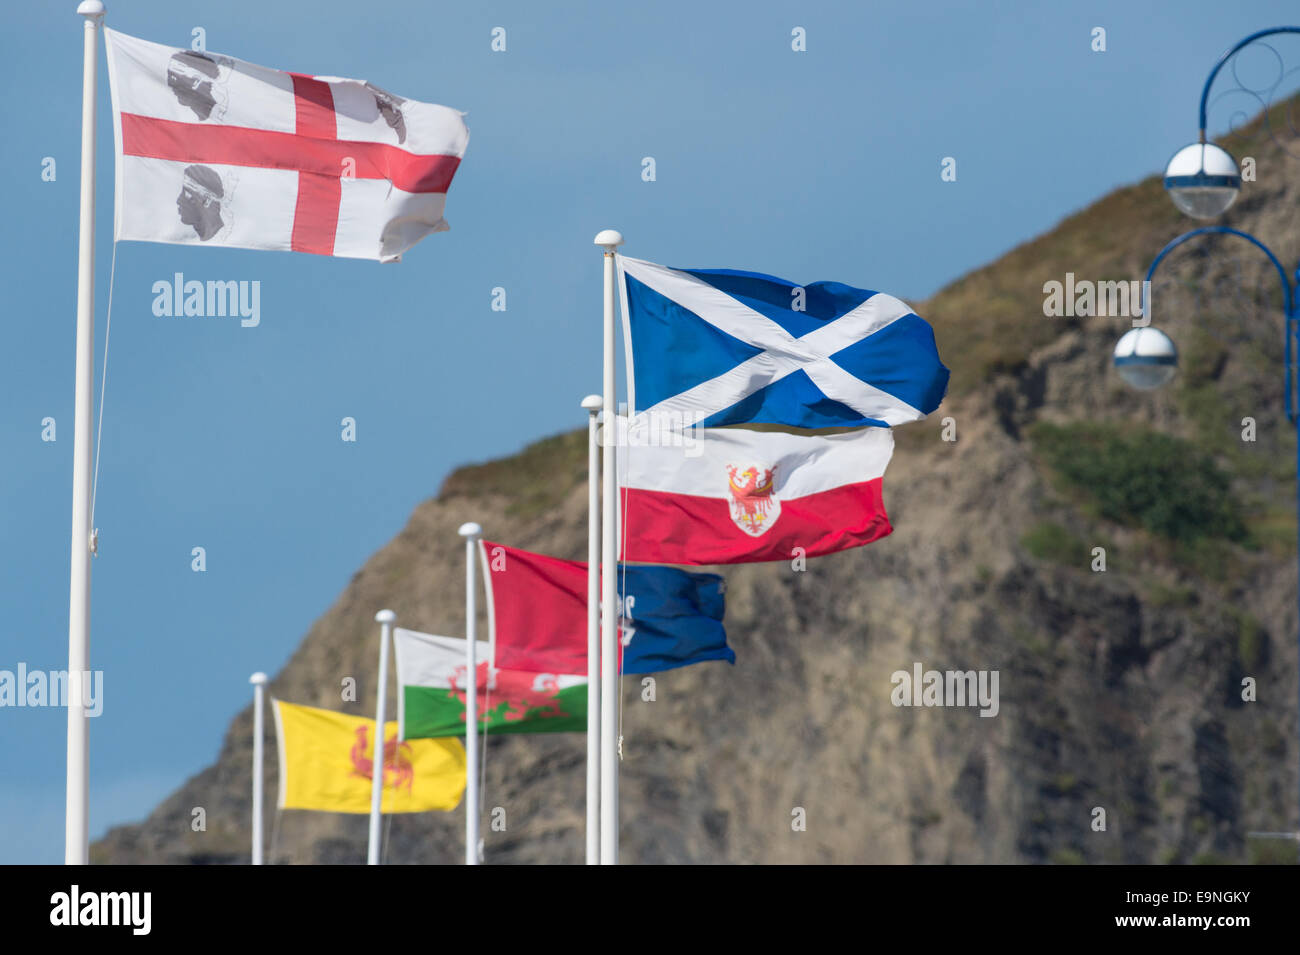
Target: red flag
(538,607)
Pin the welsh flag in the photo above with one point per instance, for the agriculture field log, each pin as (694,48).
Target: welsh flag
(214,151)
(431,686)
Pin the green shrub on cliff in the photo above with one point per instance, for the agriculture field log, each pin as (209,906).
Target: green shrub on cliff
(1144,478)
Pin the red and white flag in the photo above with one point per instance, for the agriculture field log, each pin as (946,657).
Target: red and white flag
(729,496)
(215,151)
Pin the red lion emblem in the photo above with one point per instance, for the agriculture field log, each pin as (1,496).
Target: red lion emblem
(511,693)
(753,499)
(397,761)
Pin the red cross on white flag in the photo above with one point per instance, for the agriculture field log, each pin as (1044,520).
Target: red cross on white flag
(215,151)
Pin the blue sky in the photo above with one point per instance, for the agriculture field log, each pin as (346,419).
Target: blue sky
(816,165)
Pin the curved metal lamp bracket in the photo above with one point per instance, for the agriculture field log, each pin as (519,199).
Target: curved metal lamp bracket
(1205,92)
(1289,291)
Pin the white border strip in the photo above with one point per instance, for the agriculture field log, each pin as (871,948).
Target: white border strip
(117,131)
(401,690)
(279,746)
(491,609)
(627,341)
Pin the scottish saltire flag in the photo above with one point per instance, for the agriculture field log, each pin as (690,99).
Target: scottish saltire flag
(733,495)
(716,347)
(211,150)
(537,614)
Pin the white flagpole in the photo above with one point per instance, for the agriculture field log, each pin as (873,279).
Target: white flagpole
(471,533)
(258,680)
(609,240)
(76,845)
(592,403)
(385,619)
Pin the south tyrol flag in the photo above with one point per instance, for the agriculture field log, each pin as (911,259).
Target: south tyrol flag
(537,612)
(211,150)
(716,347)
(733,495)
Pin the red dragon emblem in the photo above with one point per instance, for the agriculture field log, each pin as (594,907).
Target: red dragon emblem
(397,761)
(754,504)
(511,694)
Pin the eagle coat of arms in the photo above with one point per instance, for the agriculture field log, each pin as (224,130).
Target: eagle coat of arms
(754,504)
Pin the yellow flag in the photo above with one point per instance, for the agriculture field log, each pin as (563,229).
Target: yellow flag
(326,760)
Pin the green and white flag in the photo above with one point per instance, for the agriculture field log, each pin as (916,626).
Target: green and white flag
(431,688)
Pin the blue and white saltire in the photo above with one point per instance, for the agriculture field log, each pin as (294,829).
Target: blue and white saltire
(714,347)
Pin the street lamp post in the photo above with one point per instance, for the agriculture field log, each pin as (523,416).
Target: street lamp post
(1203,181)
(1144,365)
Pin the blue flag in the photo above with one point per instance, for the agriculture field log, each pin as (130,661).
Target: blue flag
(715,347)
(671,618)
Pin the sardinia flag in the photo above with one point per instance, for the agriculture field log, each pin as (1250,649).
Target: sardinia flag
(432,685)
(537,612)
(716,347)
(327,763)
(215,151)
(729,495)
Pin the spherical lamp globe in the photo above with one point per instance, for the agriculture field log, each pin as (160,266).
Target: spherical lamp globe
(1202,180)
(1145,358)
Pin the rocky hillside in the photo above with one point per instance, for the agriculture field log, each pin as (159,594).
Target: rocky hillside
(1120,689)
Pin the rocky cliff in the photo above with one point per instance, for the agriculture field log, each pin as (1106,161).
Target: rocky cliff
(1120,689)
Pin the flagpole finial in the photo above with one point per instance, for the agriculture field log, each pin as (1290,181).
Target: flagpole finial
(258,679)
(592,402)
(385,616)
(611,239)
(470,530)
(90,9)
